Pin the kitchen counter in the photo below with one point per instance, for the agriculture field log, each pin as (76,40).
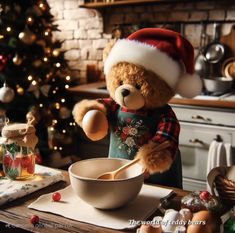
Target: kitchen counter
(16,215)
(98,90)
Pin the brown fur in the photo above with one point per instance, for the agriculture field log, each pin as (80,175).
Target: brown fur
(156,93)
(152,159)
(151,84)
(82,107)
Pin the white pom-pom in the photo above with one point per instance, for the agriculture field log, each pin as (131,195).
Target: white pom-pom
(189,85)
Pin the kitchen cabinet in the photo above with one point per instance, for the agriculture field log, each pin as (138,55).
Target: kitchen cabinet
(199,127)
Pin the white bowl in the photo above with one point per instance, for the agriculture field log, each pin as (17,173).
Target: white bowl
(105,194)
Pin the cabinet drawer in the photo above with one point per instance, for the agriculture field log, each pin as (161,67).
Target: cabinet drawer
(205,116)
(202,136)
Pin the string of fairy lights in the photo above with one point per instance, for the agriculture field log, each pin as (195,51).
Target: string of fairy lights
(53,82)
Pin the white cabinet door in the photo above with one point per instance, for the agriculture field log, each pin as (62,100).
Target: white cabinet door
(194,143)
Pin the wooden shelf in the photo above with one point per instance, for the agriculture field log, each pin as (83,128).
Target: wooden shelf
(126,3)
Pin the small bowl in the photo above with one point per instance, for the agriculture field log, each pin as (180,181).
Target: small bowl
(218,84)
(105,194)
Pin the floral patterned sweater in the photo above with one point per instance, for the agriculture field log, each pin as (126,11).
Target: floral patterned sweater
(131,129)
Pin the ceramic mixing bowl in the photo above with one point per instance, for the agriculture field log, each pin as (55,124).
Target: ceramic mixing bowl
(105,194)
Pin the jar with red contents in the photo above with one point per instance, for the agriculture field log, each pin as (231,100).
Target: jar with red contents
(18,142)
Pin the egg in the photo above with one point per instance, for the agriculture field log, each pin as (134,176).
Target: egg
(202,221)
(95,125)
(186,214)
(170,220)
(149,229)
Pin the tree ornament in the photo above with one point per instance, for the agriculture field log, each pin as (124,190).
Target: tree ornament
(27,37)
(34,88)
(19,90)
(45,89)
(7,94)
(17,60)
(64,113)
(3,62)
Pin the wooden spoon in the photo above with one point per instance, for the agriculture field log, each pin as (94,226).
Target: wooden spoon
(111,175)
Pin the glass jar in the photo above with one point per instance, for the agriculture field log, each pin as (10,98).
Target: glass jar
(18,161)
(18,142)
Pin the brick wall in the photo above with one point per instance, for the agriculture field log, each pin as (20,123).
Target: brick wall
(86,32)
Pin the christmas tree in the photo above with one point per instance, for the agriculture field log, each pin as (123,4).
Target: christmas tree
(34,77)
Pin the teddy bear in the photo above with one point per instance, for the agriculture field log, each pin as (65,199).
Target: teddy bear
(143,72)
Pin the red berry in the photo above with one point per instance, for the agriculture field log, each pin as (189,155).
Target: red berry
(204,195)
(56,196)
(34,219)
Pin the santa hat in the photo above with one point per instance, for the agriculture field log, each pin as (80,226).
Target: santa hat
(164,52)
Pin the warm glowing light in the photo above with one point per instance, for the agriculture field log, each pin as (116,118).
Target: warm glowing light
(70,123)
(74,123)
(68,78)
(66,86)
(41,105)
(46,33)
(55,147)
(52,128)
(64,131)
(60,148)
(8,29)
(45,59)
(54,91)
(57,88)
(42,6)
(57,64)
(57,105)
(29,19)
(56,52)
(30,77)
(62,100)
(34,82)
(54,121)
(1,36)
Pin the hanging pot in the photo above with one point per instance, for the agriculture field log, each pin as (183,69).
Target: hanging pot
(201,66)
(214,52)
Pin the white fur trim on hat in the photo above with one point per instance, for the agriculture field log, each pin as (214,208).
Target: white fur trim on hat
(150,57)
(189,85)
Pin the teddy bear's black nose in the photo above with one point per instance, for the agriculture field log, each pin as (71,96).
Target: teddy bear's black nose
(125,92)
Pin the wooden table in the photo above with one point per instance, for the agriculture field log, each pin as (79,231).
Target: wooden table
(15,216)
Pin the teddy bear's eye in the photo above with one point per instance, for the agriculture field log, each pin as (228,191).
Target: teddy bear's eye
(120,82)
(137,86)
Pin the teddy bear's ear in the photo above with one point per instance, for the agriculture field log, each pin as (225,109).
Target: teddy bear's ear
(108,48)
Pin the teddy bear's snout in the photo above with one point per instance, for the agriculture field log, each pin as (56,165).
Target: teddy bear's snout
(125,92)
(128,96)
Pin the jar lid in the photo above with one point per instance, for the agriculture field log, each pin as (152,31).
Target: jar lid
(22,134)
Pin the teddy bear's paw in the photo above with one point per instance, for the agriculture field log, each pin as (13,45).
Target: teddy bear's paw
(154,160)
(82,107)
(159,162)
